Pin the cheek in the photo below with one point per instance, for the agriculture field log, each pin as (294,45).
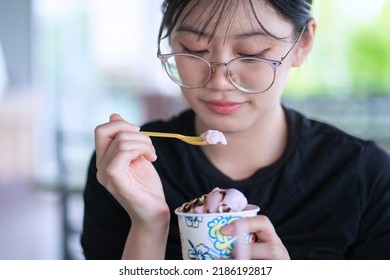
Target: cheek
(282,73)
(189,95)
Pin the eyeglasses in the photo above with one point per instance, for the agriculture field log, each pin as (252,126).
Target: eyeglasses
(248,74)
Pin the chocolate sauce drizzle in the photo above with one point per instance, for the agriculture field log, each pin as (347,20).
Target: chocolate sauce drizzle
(200,201)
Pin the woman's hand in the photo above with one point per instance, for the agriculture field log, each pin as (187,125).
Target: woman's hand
(124,167)
(267,246)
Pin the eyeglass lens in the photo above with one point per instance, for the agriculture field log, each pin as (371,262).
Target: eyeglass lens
(248,74)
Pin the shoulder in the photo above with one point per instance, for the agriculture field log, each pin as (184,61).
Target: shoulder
(374,171)
(321,146)
(319,135)
(311,127)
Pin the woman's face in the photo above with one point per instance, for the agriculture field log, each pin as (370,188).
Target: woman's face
(219,104)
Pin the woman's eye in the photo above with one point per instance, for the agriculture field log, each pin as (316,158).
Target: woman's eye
(255,55)
(193,49)
(195,52)
(252,55)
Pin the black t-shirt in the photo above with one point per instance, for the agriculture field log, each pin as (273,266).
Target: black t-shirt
(328,196)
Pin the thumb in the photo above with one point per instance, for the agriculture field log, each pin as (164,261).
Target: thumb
(115,117)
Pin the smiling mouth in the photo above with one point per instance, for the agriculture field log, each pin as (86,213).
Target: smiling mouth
(223,107)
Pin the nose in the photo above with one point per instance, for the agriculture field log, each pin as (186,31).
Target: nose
(219,79)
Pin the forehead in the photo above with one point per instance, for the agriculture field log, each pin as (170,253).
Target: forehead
(224,19)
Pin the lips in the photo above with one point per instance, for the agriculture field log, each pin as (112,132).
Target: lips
(223,106)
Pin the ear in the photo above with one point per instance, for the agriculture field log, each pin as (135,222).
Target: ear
(305,45)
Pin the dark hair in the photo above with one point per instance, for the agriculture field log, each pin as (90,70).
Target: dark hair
(296,11)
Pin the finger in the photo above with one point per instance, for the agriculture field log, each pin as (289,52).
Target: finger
(119,165)
(105,133)
(115,117)
(268,244)
(260,224)
(241,251)
(126,137)
(122,154)
(142,146)
(268,251)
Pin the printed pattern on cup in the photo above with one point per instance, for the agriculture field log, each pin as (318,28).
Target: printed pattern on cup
(193,221)
(222,245)
(201,252)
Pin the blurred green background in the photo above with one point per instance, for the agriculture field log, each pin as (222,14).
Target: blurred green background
(351,54)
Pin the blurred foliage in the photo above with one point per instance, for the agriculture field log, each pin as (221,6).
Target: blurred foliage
(369,57)
(351,53)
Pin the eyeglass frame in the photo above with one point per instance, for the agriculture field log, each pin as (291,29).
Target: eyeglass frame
(272,63)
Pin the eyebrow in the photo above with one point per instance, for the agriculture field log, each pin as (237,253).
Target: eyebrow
(200,33)
(254,33)
(190,29)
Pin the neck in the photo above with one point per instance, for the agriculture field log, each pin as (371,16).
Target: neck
(251,149)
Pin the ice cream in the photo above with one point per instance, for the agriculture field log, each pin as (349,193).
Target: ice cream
(217,201)
(201,219)
(213,137)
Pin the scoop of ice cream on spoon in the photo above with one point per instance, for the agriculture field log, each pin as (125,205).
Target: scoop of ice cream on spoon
(213,137)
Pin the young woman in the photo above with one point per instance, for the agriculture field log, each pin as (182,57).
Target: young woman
(323,194)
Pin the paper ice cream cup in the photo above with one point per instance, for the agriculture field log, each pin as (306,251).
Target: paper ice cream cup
(201,237)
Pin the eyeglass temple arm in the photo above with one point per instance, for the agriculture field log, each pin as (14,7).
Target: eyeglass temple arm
(296,42)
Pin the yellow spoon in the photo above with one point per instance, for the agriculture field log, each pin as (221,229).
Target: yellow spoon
(193,140)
